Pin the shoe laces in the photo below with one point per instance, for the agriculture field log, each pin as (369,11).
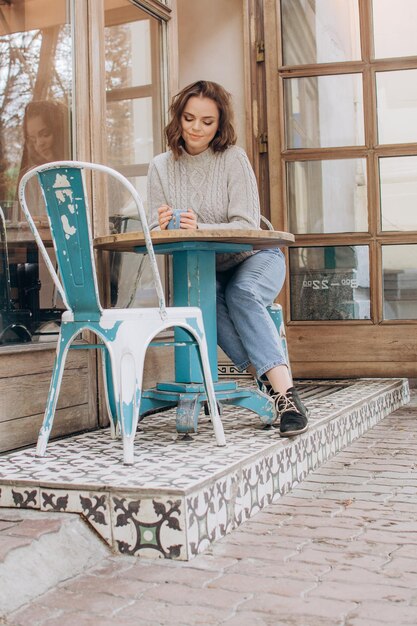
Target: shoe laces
(284,402)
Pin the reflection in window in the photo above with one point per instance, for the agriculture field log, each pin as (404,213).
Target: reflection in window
(131,279)
(329,283)
(398,178)
(394,28)
(324,31)
(400,281)
(134,133)
(35,92)
(327,196)
(324,111)
(397,106)
(132,40)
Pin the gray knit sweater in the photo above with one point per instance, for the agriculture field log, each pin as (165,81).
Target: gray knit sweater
(220,187)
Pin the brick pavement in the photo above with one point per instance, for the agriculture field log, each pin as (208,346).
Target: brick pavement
(340,550)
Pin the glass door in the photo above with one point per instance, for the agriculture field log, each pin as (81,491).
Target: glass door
(344,134)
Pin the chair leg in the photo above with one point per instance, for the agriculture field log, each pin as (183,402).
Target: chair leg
(211,396)
(110,396)
(64,340)
(129,402)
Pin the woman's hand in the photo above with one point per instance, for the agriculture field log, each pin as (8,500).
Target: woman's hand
(164,216)
(189,220)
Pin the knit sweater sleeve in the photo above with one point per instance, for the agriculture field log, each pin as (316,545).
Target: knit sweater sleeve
(156,195)
(243,210)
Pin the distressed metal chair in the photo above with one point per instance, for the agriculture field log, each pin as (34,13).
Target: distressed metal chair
(123,334)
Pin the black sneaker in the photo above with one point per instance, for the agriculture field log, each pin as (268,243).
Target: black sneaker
(292,413)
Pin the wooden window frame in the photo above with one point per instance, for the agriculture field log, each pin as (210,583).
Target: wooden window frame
(339,348)
(371,150)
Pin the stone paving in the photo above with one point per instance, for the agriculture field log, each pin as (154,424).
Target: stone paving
(339,550)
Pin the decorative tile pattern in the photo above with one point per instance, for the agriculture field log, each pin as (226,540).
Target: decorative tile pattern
(153,527)
(179,496)
(202,518)
(15,496)
(92,506)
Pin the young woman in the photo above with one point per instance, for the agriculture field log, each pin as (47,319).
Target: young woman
(206,176)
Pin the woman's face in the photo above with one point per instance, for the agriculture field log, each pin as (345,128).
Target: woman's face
(199,124)
(41,137)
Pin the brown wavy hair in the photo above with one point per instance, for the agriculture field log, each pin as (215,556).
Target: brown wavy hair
(225,135)
(55,115)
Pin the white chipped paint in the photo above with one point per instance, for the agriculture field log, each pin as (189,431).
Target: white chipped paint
(68,230)
(63,194)
(107,324)
(61,181)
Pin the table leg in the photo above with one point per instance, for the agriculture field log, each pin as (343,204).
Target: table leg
(194,283)
(191,398)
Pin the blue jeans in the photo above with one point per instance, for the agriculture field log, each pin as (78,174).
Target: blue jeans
(245,331)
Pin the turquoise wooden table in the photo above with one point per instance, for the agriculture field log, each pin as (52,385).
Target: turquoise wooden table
(194,284)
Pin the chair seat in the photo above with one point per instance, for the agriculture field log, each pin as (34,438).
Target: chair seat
(133,314)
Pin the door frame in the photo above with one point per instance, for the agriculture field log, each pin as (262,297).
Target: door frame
(339,348)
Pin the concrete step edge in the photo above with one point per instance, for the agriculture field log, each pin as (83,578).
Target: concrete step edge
(31,570)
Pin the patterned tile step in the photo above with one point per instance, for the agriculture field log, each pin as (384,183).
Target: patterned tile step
(181,496)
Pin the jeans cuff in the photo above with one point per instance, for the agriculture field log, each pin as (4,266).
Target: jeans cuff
(262,371)
(243,366)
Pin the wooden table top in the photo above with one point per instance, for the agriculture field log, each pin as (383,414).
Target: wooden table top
(259,239)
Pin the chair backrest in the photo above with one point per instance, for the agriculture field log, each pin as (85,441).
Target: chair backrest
(267,223)
(64,191)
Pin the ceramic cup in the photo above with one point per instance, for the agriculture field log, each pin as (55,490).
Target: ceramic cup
(175,220)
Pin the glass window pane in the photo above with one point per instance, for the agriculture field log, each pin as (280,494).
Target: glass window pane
(323,31)
(398,180)
(132,41)
(324,111)
(133,84)
(129,132)
(394,28)
(327,196)
(400,281)
(397,106)
(130,274)
(35,127)
(134,122)
(329,283)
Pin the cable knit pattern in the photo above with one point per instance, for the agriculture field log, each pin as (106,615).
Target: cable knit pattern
(219,187)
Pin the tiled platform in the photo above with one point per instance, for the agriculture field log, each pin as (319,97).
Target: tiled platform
(181,496)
